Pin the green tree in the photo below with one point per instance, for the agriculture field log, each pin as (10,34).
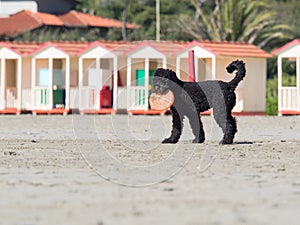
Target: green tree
(142,13)
(288,12)
(115,9)
(236,20)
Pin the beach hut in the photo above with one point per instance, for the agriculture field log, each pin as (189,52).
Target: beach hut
(73,49)
(211,59)
(142,60)
(50,80)
(98,78)
(10,80)
(289,94)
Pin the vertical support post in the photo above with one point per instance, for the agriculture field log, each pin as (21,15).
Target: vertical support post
(191,59)
(115,87)
(19,82)
(98,88)
(98,66)
(67,100)
(279,65)
(298,82)
(33,72)
(146,83)
(50,67)
(214,68)
(213,71)
(196,65)
(157,20)
(2,75)
(80,82)
(164,63)
(128,82)
(128,72)
(178,66)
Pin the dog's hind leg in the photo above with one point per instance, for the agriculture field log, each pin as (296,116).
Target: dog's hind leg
(231,129)
(227,123)
(197,127)
(177,124)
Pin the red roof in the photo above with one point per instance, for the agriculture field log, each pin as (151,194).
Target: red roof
(6,45)
(74,18)
(167,48)
(26,20)
(224,48)
(286,46)
(22,48)
(48,19)
(124,48)
(108,45)
(19,22)
(69,47)
(29,48)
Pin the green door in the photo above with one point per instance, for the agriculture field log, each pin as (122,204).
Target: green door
(140,81)
(140,77)
(59,98)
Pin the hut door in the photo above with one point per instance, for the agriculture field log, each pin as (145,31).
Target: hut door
(11,83)
(140,77)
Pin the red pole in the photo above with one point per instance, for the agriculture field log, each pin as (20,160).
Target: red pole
(191,60)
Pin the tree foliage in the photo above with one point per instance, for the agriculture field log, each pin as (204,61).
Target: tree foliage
(236,20)
(142,12)
(288,12)
(266,23)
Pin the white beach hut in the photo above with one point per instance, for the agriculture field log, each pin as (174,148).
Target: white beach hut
(10,80)
(142,60)
(211,59)
(289,96)
(50,80)
(98,78)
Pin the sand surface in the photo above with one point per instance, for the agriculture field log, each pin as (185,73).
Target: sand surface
(112,170)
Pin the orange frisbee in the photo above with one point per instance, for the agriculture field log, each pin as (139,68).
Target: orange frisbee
(161,102)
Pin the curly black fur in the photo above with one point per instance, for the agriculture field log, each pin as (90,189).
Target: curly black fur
(191,98)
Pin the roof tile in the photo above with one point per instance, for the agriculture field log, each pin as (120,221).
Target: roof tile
(26,20)
(224,48)
(286,46)
(74,18)
(167,48)
(19,22)
(49,19)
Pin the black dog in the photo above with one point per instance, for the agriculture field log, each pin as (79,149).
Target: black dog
(191,98)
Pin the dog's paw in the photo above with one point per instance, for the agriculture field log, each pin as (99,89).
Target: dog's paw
(225,142)
(196,140)
(169,141)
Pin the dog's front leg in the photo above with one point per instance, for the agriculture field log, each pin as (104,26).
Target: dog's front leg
(177,124)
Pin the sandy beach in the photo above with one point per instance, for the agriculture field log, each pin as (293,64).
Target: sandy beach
(112,170)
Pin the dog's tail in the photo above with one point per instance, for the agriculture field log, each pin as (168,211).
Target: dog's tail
(238,65)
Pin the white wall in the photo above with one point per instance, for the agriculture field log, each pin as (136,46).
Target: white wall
(11,7)
(122,69)
(26,73)
(252,90)
(11,72)
(255,85)
(204,69)
(74,72)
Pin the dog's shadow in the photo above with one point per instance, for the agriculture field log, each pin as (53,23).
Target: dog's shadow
(243,143)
